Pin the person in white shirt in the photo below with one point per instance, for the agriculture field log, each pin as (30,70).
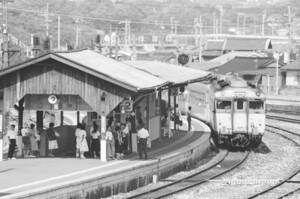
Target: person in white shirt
(95,143)
(12,136)
(110,144)
(78,139)
(83,142)
(142,135)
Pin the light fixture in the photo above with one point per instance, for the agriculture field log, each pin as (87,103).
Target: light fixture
(103,96)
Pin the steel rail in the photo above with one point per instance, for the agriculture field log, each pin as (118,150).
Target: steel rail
(284,112)
(286,179)
(284,119)
(197,178)
(290,193)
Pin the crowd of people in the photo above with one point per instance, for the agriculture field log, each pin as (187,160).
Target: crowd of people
(117,138)
(30,141)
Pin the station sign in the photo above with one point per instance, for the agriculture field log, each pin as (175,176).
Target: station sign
(126,106)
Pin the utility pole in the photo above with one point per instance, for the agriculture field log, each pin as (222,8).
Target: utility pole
(127,32)
(263,22)
(77,33)
(175,27)
(221,20)
(290,28)
(244,24)
(47,20)
(5,55)
(110,46)
(238,22)
(217,26)
(58,32)
(172,24)
(201,25)
(214,23)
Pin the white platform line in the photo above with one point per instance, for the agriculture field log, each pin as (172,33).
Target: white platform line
(59,177)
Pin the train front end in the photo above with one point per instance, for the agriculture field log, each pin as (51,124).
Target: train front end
(239,117)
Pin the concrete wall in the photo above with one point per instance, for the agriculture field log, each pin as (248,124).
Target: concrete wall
(127,179)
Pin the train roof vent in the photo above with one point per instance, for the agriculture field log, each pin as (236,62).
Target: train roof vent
(238,84)
(236,81)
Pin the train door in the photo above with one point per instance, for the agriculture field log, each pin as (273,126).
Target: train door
(223,116)
(239,116)
(256,123)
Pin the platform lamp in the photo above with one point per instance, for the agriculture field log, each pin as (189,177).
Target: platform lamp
(103,127)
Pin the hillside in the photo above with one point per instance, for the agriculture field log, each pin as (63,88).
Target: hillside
(148,17)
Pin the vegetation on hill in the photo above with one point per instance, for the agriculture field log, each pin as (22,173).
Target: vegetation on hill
(148,17)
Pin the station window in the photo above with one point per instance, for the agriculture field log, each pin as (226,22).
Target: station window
(223,105)
(256,105)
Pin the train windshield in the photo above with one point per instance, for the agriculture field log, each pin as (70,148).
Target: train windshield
(256,105)
(223,105)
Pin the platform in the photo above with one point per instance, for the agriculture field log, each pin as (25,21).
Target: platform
(91,178)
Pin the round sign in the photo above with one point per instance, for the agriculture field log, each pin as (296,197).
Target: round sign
(52,99)
(183,59)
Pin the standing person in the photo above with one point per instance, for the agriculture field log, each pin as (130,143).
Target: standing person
(12,136)
(52,137)
(95,145)
(33,140)
(83,143)
(26,141)
(110,144)
(118,143)
(189,118)
(78,139)
(143,135)
(125,135)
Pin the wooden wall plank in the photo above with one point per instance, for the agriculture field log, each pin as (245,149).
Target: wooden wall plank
(51,77)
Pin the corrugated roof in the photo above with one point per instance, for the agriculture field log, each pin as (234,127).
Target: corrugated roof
(292,66)
(100,66)
(247,44)
(214,45)
(280,46)
(263,71)
(114,69)
(170,72)
(223,59)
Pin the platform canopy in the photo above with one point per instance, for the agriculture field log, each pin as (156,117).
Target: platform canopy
(175,74)
(100,66)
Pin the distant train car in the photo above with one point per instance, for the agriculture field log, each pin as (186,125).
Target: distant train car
(235,111)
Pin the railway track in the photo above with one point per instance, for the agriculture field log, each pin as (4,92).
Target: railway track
(285,112)
(284,119)
(276,187)
(225,165)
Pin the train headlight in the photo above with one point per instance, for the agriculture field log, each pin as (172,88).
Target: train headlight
(258,93)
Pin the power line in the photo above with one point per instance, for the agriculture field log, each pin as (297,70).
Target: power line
(94,18)
(116,20)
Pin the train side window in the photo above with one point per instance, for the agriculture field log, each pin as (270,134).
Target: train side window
(223,105)
(256,105)
(240,105)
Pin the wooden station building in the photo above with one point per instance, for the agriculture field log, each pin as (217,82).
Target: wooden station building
(79,81)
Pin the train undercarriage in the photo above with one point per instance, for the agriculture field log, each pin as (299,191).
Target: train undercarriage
(236,140)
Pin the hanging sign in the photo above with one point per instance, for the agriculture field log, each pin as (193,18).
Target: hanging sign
(126,105)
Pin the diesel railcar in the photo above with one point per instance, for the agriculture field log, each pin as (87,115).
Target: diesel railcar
(235,111)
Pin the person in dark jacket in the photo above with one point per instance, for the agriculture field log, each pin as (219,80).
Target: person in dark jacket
(52,138)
